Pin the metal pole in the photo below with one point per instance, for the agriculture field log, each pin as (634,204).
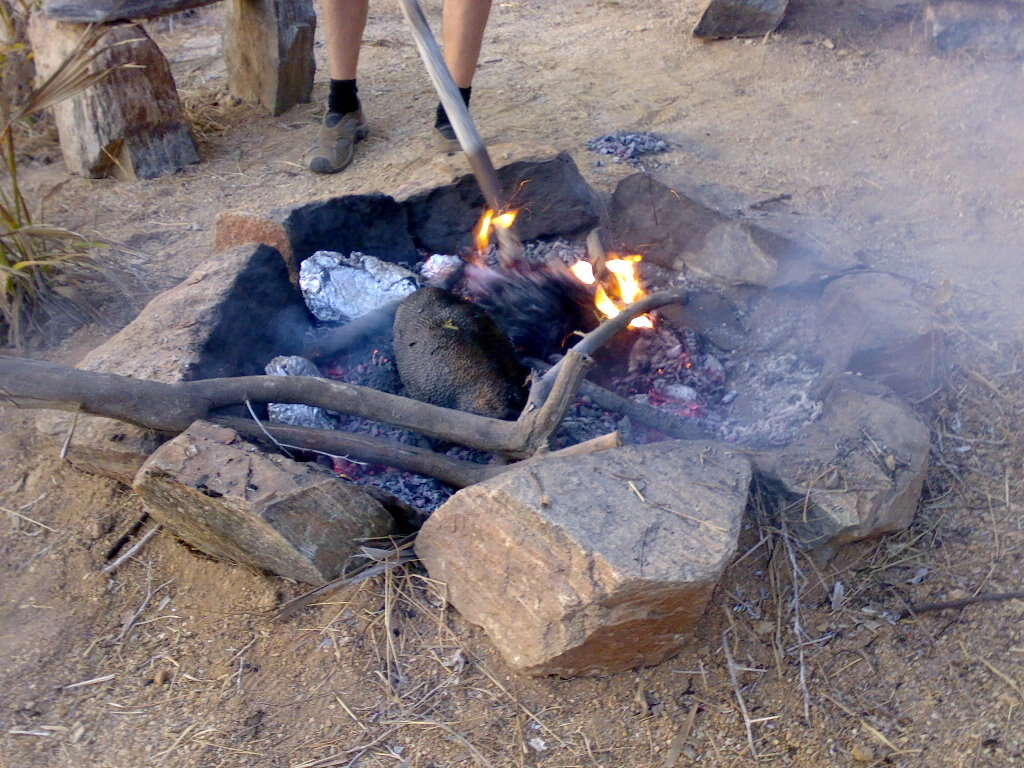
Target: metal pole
(462,122)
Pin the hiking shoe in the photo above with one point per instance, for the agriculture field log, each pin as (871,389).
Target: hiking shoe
(444,135)
(336,142)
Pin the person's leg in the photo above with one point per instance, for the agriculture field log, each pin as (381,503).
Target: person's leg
(462,31)
(344,22)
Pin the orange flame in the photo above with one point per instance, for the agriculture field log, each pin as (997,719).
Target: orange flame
(627,287)
(490,221)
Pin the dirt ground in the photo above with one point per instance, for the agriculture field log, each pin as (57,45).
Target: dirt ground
(911,160)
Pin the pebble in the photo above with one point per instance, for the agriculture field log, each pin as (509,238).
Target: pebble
(863,754)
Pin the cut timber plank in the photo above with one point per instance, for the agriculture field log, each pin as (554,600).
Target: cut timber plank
(268,45)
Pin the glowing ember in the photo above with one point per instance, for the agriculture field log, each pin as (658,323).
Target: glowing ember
(627,287)
(490,221)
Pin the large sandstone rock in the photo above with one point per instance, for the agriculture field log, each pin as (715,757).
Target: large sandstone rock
(268,45)
(214,323)
(551,195)
(856,473)
(982,27)
(231,500)
(591,564)
(372,224)
(740,18)
(131,123)
(871,323)
(681,233)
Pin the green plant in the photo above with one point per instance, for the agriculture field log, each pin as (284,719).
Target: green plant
(41,265)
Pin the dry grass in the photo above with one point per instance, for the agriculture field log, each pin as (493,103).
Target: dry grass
(44,269)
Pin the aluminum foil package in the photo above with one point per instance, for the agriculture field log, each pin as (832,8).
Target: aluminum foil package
(440,267)
(293,414)
(339,288)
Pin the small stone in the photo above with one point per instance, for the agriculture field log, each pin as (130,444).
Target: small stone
(863,753)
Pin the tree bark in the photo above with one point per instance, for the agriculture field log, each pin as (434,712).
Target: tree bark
(171,408)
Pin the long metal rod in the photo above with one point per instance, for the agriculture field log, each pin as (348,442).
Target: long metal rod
(462,121)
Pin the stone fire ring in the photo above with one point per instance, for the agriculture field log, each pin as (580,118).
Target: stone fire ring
(579,565)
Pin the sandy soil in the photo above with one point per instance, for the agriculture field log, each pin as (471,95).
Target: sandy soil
(912,161)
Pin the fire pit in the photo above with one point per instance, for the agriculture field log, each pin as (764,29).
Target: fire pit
(777,364)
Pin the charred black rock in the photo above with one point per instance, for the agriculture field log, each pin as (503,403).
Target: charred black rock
(451,353)
(540,308)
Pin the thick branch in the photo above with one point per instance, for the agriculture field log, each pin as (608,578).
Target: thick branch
(172,408)
(454,472)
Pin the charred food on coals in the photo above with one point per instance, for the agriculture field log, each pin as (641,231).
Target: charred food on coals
(451,353)
(540,307)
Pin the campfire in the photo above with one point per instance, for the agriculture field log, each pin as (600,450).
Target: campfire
(410,372)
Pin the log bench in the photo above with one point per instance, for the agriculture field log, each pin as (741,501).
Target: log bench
(131,124)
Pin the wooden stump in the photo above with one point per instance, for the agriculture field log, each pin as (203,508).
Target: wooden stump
(268,45)
(18,69)
(130,124)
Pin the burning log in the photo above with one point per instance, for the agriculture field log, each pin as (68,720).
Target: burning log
(171,408)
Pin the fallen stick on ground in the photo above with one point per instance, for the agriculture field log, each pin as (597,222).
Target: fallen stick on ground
(950,605)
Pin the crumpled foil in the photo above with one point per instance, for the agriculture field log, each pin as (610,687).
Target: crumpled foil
(293,414)
(339,288)
(440,267)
